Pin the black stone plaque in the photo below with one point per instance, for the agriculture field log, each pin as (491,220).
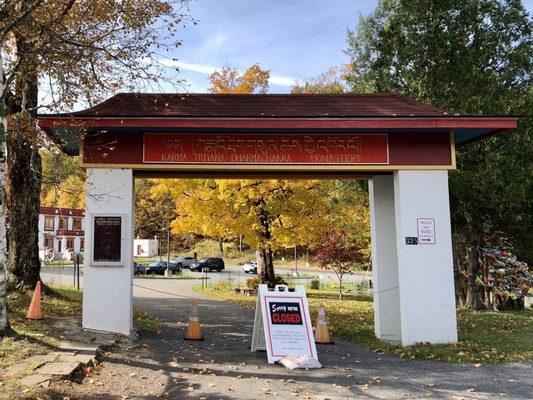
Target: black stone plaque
(107,239)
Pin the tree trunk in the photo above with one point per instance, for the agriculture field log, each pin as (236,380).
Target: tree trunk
(265,266)
(24,264)
(472,288)
(340,288)
(220,247)
(270,266)
(4,320)
(24,176)
(486,290)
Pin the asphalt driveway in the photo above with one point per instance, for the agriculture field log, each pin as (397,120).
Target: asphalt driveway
(222,366)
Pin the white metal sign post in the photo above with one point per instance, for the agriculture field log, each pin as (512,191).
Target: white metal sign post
(282,324)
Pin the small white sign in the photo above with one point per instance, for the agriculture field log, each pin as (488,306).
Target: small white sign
(282,318)
(426,230)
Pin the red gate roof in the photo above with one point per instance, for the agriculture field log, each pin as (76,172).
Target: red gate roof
(377,112)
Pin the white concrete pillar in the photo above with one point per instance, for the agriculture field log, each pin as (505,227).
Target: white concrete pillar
(425,270)
(387,324)
(107,292)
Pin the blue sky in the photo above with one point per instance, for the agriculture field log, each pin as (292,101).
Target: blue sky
(294,39)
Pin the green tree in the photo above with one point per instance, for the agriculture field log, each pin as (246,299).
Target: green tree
(473,57)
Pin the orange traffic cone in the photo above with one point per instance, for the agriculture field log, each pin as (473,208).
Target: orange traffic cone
(34,311)
(194,330)
(321,330)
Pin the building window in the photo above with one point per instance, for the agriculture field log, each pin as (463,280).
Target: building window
(49,243)
(76,224)
(82,244)
(48,223)
(59,243)
(63,223)
(70,243)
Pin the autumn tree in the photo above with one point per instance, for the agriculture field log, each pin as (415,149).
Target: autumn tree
(473,57)
(154,208)
(74,50)
(230,80)
(338,253)
(331,81)
(269,214)
(63,180)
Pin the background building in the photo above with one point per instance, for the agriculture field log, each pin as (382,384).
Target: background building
(61,233)
(145,247)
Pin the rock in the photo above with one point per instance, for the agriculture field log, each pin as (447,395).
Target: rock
(58,368)
(15,369)
(30,363)
(79,358)
(78,347)
(36,380)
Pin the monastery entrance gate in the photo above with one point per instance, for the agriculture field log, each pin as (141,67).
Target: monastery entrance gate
(404,148)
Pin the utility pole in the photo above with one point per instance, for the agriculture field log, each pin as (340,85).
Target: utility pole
(295,259)
(167,271)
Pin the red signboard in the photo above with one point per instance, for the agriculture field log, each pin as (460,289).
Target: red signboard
(200,148)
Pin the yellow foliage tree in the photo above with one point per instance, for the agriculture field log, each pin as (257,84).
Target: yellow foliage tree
(63,181)
(269,214)
(230,80)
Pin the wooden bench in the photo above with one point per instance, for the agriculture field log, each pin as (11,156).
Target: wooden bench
(246,291)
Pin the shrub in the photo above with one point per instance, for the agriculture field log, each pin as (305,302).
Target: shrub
(222,286)
(278,280)
(253,283)
(315,284)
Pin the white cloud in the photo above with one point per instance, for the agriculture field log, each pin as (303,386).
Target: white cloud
(203,69)
(282,80)
(208,69)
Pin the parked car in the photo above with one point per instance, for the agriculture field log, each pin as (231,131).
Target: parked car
(250,267)
(138,269)
(183,261)
(210,264)
(159,267)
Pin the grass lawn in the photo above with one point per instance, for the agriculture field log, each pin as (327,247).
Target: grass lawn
(41,336)
(37,337)
(484,336)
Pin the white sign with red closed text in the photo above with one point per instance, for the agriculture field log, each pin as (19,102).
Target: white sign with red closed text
(426,230)
(282,324)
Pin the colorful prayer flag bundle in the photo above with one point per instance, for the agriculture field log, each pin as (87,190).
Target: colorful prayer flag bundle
(508,278)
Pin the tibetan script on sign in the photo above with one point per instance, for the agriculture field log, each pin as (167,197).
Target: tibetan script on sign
(190,148)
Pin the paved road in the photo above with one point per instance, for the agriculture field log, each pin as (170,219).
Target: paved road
(222,367)
(65,275)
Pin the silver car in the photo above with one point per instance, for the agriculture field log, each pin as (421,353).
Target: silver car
(250,267)
(183,261)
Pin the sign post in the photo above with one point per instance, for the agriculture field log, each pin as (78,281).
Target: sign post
(282,324)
